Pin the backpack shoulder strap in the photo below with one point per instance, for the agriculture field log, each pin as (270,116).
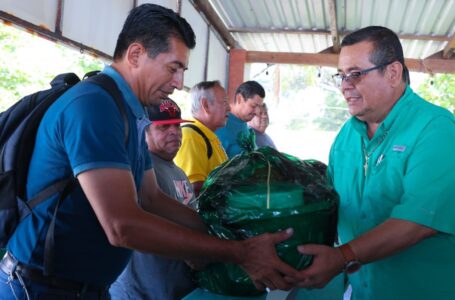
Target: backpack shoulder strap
(207,142)
(109,85)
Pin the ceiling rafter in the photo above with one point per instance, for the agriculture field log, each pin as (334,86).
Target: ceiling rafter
(333,26)
(58,17)
(449,49)
(432,64)
(46,33)
(212,17)
(423,37)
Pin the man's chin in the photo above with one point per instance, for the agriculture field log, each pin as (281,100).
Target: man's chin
(355,111)
(248,118)
(359,115)
(157,97)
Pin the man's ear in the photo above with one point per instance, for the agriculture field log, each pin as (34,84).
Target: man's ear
(394,73)
(133,53)
(238,99)
(205,105)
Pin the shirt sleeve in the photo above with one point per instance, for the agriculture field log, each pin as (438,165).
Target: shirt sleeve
(92,132)
(429,179)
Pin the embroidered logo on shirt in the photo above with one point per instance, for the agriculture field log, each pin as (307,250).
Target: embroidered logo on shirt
(399,148)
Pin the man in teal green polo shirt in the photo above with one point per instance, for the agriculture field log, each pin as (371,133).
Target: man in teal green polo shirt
(393,165)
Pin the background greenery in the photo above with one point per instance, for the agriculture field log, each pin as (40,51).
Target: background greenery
(28,63)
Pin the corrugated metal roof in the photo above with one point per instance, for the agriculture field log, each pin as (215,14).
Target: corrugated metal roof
(425,26)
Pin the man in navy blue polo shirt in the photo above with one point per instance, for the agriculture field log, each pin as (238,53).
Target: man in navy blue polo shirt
(100,221)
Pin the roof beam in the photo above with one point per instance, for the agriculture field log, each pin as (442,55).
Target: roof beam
(333,26)
(432,64)
(58,17)
(422,37)
(317,59)
(9,19)
(449,48)
(212,17)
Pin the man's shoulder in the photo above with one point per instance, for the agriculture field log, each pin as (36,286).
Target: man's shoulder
(418,114)
(193,132)
(231,129)
(418,107)
(82,99)
(430,110)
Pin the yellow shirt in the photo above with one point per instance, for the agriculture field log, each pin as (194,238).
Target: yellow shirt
(192,156)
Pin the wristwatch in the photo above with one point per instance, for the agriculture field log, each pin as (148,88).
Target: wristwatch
(351,262)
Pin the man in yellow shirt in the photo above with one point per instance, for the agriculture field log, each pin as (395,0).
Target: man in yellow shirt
(201,150)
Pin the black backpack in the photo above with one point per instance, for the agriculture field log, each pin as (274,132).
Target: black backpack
(18,128)
(206,139)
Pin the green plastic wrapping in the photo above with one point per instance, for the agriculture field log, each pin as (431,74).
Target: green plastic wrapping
(266,191)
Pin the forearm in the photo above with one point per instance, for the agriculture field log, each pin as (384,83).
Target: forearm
(151,233)
(153,200)
(171,209)
(392,236)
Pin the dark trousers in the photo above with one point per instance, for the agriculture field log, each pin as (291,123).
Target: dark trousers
(21,283)
(14,290)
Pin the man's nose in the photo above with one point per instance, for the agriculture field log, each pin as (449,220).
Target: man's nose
(177,80)
(346,84)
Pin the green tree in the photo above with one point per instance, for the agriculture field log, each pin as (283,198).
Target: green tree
(296,77)
(440,90)
(28,63)
(334,113)
(10,78)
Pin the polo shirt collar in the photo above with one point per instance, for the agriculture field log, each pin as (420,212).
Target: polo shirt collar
(130,98)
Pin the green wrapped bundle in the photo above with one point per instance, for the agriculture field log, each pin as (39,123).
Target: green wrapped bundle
(266,191)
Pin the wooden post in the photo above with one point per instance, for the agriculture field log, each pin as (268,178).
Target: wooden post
(237,59)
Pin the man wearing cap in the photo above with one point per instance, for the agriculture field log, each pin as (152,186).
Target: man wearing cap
(201,150)
(149,276)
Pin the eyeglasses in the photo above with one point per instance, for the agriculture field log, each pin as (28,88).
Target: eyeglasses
(355,76)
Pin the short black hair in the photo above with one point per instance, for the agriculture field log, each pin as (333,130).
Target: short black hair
(249,89)
(152,26)
(386,46)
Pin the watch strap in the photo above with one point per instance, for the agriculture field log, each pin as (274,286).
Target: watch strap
(351,262)
(348,254)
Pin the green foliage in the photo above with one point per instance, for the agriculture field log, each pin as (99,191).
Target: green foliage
(440,90)
(8,86)
(295,77)
(7,39)
(334,113)
(28,63)
(297,124)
